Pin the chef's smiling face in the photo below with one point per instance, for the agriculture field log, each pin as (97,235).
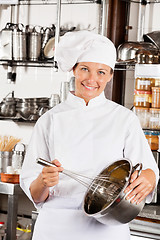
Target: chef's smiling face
(91,79)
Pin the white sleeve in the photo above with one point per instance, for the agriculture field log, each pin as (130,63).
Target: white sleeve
(38,147)
(138,150)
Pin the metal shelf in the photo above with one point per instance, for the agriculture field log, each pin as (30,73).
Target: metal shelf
(54,2)
(17,119)
(50,63)
(125,66)
(26,63)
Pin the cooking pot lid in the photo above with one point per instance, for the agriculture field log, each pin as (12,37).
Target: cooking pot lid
(49,48)
(153,37)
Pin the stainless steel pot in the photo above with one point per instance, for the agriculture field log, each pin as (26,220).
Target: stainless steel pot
(114,209)
(127,51)
(8,106)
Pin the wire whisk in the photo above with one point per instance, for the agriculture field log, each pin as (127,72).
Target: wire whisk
(103,185)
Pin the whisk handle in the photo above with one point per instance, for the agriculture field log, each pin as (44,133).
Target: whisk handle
(44,162)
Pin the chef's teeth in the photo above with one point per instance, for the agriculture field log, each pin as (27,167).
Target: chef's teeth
(90,87)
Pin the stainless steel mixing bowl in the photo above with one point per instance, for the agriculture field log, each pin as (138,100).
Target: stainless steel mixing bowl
(106,201)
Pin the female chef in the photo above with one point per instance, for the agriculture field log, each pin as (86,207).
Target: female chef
(84,134)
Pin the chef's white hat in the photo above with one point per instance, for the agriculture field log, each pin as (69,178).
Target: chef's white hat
(84,46)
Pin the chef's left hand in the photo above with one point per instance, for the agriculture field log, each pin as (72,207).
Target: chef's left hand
(141,186)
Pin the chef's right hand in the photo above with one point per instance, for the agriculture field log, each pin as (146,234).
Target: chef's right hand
(50,175)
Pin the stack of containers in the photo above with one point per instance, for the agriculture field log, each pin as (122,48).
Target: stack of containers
(147,101)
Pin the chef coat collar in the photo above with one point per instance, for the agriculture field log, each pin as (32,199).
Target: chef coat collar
(77,101)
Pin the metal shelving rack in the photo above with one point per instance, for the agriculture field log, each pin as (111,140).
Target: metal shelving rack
(52,2)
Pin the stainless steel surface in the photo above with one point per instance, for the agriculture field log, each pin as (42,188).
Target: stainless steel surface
(19,46)
(64,90)
(12,217)
(5,161)
(8,109)
(32,108)
(57,30)
(12,190)
(118,210)
(72,84)
(145,229)
(127,51)
(6,42)
(34,45)
(153,37)
(104,16)
(148,223)
(141,21)
(54,100)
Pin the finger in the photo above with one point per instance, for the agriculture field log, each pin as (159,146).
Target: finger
(140,196)
(131,186)
(134,176)
(134,192)
(56,162)
(52,169)
(50,179)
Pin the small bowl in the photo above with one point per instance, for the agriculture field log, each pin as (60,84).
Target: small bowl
(10,178)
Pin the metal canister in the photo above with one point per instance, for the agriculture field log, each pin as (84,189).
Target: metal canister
(5,160)
(18,156)
(6,42)
(64,91)
(54,100)
(34,45)
(19,44)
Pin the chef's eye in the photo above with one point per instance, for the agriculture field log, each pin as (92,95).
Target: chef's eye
(101,72)
(84,69)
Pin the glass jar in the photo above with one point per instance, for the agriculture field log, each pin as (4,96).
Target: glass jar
(143,116)
(155,97)
(152,138)
(144,84)
(154,119)
(142,98)
(157,82)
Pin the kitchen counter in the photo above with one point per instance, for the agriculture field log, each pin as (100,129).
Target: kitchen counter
(147,223)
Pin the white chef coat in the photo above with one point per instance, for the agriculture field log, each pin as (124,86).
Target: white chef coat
(85,139)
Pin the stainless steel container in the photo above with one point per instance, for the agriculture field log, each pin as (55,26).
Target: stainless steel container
(64,91)
(54,100)
(5,161)
(6,42)
(19,45)
(34,45)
